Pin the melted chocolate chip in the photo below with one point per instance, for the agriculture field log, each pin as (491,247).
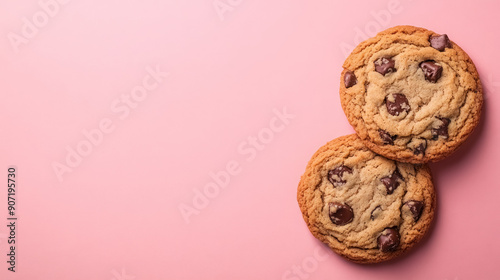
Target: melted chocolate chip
(432,70)
(392,182)
(441,130)
(385,65)
(399,105)
(420,149)
(335,175)
(440,42)
(389,240)
(340,214)
(375,212)
(349,79)
(415,207)
(386,137)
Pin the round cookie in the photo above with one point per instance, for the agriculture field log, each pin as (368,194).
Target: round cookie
(411,95)
(367,208)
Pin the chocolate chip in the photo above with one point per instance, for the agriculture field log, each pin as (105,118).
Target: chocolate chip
(340,214)
(391,182)
(375,212)
(432,70)
(399,105)
(415,207)
(385,65)
(349,79)
(420,149)
(335,175)
(440,42)
(441,130)
(386,137)
(389,240)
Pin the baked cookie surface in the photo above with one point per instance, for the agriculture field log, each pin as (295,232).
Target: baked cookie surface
(365,207)
(410,94)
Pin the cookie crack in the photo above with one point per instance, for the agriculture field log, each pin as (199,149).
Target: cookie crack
(326,236)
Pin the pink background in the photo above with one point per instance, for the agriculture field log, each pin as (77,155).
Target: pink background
(116,215)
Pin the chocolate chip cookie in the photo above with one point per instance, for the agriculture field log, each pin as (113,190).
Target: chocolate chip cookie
(367,208)
(411,95)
